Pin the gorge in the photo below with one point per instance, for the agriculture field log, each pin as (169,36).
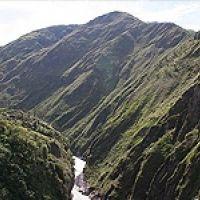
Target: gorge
(121,93)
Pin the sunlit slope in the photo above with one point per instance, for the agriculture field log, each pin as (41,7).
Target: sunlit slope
(138,137)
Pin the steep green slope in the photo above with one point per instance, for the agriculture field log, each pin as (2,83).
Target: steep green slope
(35,160)
(140,100)
(126,125)
(103,68)
(164,164)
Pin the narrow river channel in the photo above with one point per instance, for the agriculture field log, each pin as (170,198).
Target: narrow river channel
(79,166)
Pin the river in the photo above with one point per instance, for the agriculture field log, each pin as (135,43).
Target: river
(79,166)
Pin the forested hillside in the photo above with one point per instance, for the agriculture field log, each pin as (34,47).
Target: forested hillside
(35,159)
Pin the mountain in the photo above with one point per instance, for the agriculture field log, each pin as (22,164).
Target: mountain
(35,160)
(124,92)
(78,58)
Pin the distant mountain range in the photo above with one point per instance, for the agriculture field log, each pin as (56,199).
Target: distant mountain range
(125,93)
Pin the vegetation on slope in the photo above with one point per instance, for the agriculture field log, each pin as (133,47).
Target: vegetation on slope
(140,101)
(35,159)
(161,161)
(125,129)
(71,76)
(111,85)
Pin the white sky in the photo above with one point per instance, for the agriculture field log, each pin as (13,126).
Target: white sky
(20,17)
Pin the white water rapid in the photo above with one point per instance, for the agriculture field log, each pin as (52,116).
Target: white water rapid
(76,192)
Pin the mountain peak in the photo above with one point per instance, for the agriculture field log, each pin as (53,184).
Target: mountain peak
(112,16)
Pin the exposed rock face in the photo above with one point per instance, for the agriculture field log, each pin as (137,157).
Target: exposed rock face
(197,36)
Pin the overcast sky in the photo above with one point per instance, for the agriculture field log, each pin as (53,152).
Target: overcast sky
(20,17)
